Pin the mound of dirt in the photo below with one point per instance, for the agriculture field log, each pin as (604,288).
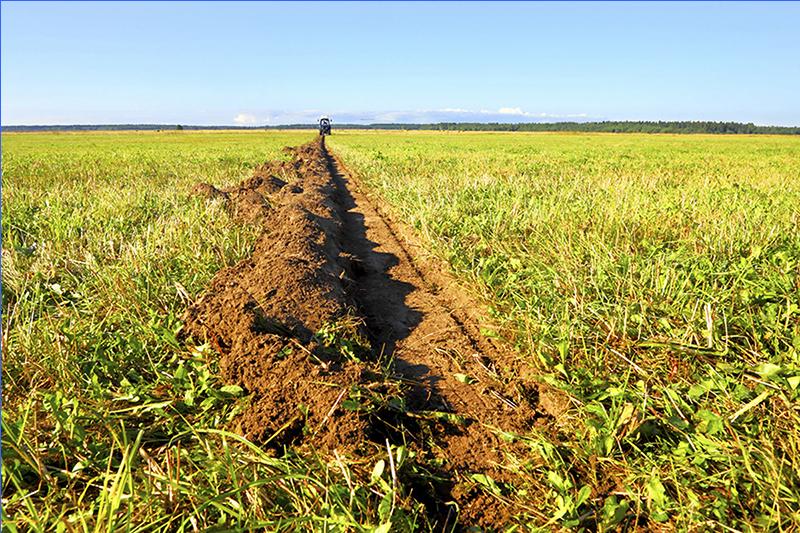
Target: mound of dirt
(330,276)
(265,185)
(206,190)
(262,314)
(249,201)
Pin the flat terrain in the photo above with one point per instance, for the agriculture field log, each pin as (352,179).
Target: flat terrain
(405,330)
(655,279)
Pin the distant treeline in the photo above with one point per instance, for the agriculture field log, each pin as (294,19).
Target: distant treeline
(613,127)
(607,127)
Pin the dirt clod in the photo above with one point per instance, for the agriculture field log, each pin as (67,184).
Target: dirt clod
(206,190)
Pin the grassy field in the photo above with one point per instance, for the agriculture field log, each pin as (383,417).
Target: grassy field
(655,279)
(109,422)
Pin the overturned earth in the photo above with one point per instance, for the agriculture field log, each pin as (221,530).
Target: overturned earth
(347,339)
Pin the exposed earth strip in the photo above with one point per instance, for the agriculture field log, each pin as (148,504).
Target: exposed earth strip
(348,338)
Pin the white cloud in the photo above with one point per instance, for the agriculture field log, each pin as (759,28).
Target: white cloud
(502,114)
(243,119)
(505,114)
(519,112)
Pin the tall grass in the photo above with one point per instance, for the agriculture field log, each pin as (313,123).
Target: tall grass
(109,423)
(656,280)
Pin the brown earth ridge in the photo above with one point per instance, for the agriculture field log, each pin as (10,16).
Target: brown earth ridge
(349,340)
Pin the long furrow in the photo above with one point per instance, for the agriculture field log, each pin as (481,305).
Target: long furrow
(329,264)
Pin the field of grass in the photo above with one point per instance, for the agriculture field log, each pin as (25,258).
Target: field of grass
(654,279)
(108,421)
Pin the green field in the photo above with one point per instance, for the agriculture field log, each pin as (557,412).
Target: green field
(653,278)
(102,251)
(656,279)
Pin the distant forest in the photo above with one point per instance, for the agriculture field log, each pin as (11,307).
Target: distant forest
(606,127)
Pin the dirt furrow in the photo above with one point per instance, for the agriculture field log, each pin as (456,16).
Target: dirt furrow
(410,318)
(336,304)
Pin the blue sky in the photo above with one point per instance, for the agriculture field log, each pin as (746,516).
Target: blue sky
(275,63)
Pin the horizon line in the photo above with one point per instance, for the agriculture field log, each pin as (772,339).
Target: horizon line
(373,124)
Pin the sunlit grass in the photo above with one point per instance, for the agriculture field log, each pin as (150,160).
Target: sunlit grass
(656,279)
(109,423)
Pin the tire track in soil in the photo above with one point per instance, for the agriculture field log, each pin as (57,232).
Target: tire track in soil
(327,252)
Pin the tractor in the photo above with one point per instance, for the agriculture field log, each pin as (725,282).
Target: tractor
(324,125)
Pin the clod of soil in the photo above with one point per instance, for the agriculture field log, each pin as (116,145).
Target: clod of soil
(206,190)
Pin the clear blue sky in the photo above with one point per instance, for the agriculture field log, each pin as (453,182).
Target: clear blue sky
(271,63)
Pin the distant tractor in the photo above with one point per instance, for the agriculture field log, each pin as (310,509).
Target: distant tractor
(324,125)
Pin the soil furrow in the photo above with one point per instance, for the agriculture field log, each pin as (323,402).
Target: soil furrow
(331,267)
(429,342)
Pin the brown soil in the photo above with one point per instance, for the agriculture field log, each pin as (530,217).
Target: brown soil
(330,258)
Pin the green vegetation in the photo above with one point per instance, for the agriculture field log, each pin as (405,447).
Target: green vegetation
(656,280)
(109,423)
